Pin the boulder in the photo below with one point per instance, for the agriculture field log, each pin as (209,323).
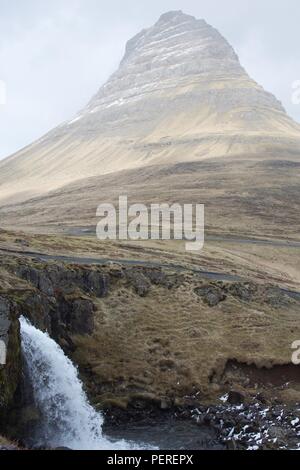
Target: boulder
(235,398)
(139,282)
(211,295)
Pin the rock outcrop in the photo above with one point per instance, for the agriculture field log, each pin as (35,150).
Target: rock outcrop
(10,369)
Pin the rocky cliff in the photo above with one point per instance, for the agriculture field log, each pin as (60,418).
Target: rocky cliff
(10,373)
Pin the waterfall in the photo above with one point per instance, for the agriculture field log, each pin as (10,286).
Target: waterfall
(68,420)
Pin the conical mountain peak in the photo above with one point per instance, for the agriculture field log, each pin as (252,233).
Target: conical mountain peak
(176,30)
(177,53)
(180,94)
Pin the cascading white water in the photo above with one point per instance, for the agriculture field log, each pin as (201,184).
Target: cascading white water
(68,420)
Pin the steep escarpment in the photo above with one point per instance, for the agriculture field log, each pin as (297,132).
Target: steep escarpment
(145,336)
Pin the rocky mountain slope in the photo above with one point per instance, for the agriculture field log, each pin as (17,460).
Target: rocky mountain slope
(179,95)
(222,339)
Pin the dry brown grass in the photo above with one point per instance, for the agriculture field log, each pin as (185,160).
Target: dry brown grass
(276,264)
(171,344)
(244,196)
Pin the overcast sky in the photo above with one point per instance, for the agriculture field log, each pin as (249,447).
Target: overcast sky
(55,54)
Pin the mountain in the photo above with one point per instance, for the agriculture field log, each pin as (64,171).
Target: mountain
(180,105)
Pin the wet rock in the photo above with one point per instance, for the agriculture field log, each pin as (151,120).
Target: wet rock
(36,308)
(261,398)
(75,316)
(232,445)
(208,419)
(235,398)
(27,419)
(279,433)
(10,369)
(201,419)
(82,320)
(165,404)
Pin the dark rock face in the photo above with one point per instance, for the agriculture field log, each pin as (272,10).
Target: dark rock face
(97,283)
(247,292)
(58,304)
(140,282)
(38,309)
(77,315)
(4,320)
(10,370)
(55,301)
(250,292)
(235,398)
(242,291)
(58,278)
(211,295)
(158,278)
